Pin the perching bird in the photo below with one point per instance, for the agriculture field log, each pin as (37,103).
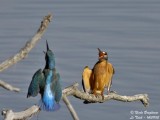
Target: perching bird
(47,83)
(95,80)
(110,70)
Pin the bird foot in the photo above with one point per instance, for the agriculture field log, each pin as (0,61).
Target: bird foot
(102,97)
(97,95)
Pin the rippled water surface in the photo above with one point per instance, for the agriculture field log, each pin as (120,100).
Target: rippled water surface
(128,29)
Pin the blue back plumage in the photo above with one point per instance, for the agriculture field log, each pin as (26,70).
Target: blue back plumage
(48,98)
(47,83)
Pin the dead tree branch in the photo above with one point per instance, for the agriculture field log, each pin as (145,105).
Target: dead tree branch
(29,45)
(8,86)
(74,91)
(70,107)
(24,51)
(10,115)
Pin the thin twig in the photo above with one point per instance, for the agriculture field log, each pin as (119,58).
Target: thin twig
(70,107)
(8,86)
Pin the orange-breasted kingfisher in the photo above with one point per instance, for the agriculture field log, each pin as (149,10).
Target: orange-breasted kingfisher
(95,80)
(47,83)
(110,69)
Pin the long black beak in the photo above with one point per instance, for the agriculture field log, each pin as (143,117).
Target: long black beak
(47,45)
(99,50)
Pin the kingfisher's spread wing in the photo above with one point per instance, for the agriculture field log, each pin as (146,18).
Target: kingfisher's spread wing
(111,71)
(86,79)
(56,86)
(58,90)
(53,82)
(37,84)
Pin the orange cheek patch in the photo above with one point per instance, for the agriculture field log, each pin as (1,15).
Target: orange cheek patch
(101,54)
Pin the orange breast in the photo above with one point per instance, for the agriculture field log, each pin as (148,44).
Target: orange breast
(100,75)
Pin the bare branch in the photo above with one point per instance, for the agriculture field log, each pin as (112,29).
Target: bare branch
(29,45)
(8,86)
(70,107)
(10,115)
(73,90)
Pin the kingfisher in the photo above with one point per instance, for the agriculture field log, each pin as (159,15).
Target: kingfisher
(95,80)
(47,83)
(110,69)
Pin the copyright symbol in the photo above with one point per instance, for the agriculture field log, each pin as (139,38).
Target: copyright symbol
(132,112)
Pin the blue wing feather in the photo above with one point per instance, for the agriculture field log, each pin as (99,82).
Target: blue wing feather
(56,86)
(58,91)
(37,84)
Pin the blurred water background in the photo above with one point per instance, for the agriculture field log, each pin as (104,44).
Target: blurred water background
(129,30)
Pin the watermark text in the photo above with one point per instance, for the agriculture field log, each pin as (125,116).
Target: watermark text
(144,115)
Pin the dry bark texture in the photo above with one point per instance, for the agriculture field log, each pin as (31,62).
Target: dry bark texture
(74,91)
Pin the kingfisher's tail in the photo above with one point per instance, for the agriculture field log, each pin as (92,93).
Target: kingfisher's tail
(49,107)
